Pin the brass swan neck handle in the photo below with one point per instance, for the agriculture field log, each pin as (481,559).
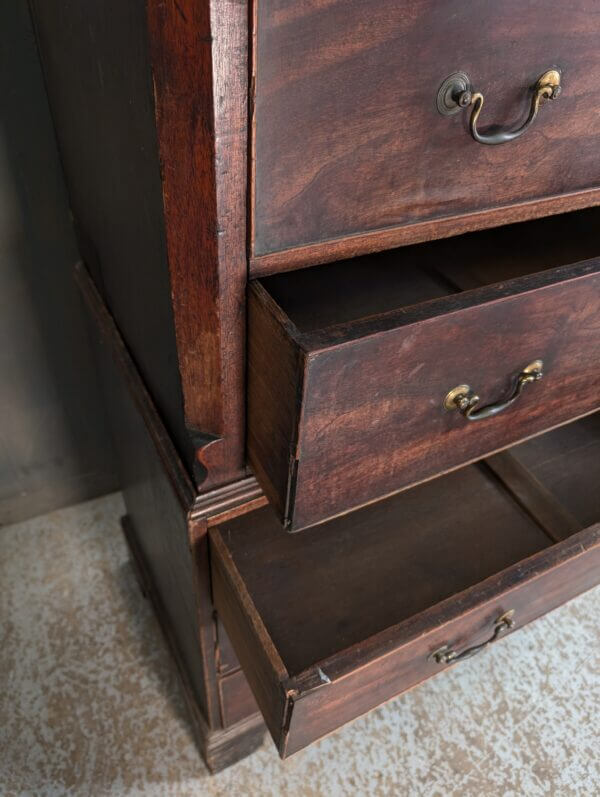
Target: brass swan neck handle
(466,401)
(456,94)
(448,655)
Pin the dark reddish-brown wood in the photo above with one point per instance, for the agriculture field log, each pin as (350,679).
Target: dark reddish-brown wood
(367,243)
(167,525)
(330,623)
(237,701)
(563,461)
(96,69)
(227,660)
(274,400)
(242,728)
(348,143)
(370,674)
(159,198)
(349,364)
(199,64)
(547,511)
(363,411)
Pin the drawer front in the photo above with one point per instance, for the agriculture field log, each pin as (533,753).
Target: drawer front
(360,683)
(348,141)
(328,625)
(370,396)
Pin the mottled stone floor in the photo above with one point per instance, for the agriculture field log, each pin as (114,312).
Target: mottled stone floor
(89,702)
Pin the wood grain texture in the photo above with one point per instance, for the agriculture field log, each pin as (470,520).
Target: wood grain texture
(96,67)
(348,141)
(334,586)
(167,533)
(231,500)
(226,747)
(173,468)
(550,514)
(261,663)
(220,505)
(243,729)
(199,66)
(160,525)
(226,659)
(369,675)
(160,197)
(352,611)
(275,383)
(424,232)
(159,495)
(562,462)
(372,419)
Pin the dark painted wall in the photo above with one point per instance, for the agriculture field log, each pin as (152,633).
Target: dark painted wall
(55,447)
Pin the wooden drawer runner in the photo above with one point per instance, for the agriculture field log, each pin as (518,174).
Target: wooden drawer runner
(331,623)
(350,153)
(350,363)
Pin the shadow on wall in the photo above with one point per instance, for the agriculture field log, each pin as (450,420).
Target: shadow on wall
(55,447)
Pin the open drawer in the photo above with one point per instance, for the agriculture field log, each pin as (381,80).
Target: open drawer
(331,623)
(356,370)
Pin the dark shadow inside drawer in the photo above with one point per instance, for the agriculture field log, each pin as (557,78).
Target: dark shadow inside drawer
(349,290)
(332,589)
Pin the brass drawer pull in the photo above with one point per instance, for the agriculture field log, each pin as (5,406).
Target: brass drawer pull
(465,400)
(456,93)
(447,655)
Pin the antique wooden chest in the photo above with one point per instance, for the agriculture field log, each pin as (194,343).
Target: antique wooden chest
(345,257)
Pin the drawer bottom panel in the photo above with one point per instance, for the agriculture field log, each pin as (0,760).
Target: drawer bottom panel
(331,623)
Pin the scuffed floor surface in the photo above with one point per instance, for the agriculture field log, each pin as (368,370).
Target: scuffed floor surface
(89,701)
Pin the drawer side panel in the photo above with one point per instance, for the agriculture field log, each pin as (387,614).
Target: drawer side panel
(275,378)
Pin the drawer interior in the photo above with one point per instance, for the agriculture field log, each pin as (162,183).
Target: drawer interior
(327,591)
(424,544)
(343,292)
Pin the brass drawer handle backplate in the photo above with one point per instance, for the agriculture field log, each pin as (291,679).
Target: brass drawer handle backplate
(447,655)
(456,93)
(465,400)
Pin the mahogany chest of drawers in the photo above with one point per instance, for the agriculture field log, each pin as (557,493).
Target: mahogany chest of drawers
(345,257)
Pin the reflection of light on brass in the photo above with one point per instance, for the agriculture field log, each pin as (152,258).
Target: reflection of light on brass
(465,400)
(456,93)
(446,654)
